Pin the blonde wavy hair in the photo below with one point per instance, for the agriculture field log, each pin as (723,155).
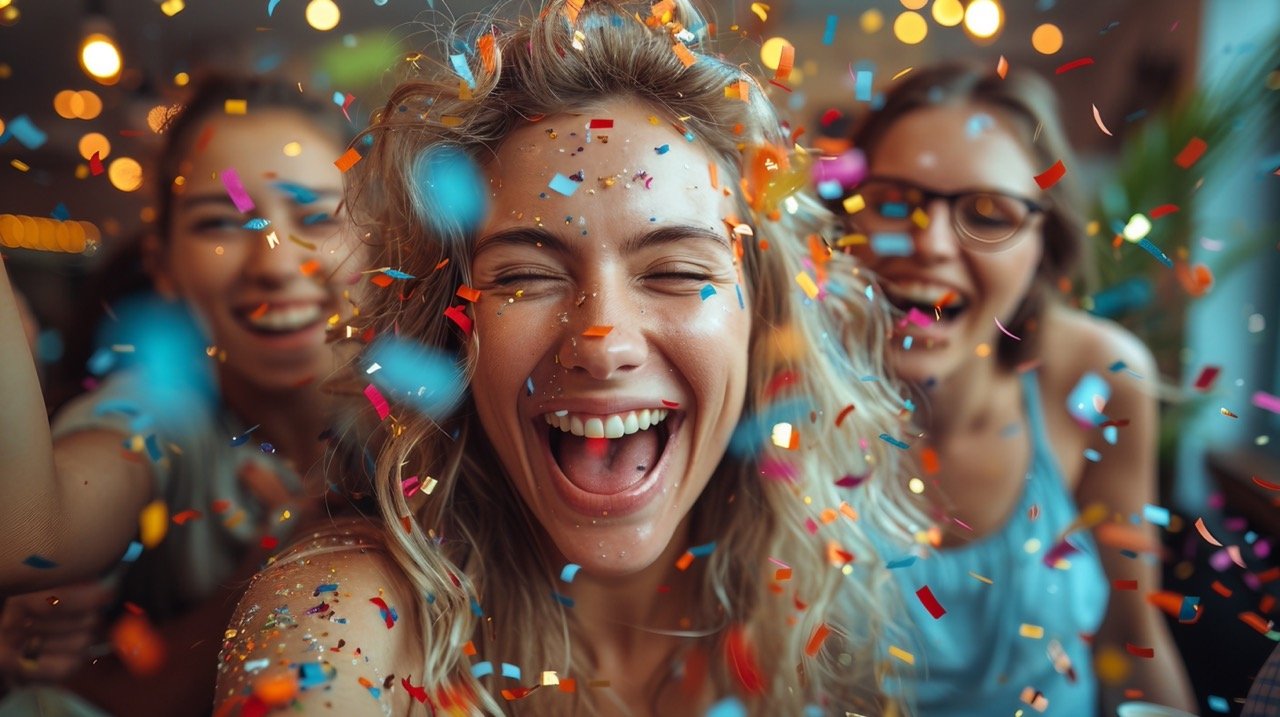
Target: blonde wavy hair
(466,547)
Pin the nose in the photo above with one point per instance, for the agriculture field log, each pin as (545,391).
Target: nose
(274,259)
(937,240)
(604,336)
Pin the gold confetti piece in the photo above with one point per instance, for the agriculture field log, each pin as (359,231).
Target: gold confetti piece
(902,654)
(19,165)
(236,107)
(1034,632)
(1227,413)
(854,203)
(806,284)
(981,578)
(172,7)
(851,240)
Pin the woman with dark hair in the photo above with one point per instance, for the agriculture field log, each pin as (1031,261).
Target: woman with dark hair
(1037,422)
(203,449)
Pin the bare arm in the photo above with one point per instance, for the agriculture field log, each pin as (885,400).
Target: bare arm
(286,629)
(1124,480)
(74,504)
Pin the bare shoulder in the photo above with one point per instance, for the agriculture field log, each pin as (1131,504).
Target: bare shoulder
(1076,343)
(334,629)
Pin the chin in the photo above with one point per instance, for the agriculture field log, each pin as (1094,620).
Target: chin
(614,552)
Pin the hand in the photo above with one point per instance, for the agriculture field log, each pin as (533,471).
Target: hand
(45,635)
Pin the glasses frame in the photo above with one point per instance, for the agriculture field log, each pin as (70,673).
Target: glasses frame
(929,196)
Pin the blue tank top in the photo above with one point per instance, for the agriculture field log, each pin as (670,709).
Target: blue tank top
(978,658)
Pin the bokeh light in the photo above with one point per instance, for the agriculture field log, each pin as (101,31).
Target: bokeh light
(914,4)
(1047,39)
(91,104)
(948,13)
(983,18)
(323,15)
(125,174)
(100,57)
(910,28)
(450,191)
(158,116)
(771,51)
(871,21)
(94,142)
(181,79)
(293,149)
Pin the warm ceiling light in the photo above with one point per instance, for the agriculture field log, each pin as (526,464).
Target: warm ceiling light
(125,174)
(771,51)
(983,18)
(100,58)
(1047,39)
(910,28)
(948,13)
(323,14)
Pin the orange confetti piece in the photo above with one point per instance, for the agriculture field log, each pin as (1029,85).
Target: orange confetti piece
(469,649)
(1204,533)
(1190,154)
(486,45)
(347,160)
(1002,67)
(685,561)
(684,54)
(782,574)
(381,280)
(597,331)
(1256,621)
(468,293)
(277,691)
(1052,175)
(567,684)
(929,460)
(715,174)
(786,61)
(259,312)
(310,267)
(815,641)
(1221,589)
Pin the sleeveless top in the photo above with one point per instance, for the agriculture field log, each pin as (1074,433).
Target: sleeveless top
(1003,646)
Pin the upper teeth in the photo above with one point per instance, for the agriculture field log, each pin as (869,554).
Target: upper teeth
(614,425)
(922,293)
(287,317)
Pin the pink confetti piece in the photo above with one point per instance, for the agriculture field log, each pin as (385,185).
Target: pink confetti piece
(379,403)
(410,486)
(1234,552)
(235,190)
(1097,117)
(918,317)
(1266,401)
(1204,533)
(1003,330)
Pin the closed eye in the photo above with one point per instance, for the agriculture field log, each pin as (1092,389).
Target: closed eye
(681,276)
(522,278)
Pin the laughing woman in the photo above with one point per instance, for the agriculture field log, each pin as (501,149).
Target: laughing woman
(971,250)
(654,495)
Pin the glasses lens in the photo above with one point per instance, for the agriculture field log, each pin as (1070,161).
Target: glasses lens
(987,219)
(887,203)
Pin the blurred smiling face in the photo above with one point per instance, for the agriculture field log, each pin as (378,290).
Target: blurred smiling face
(608,385)
(266,307)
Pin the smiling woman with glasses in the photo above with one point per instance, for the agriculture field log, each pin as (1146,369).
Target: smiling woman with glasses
(1024,425)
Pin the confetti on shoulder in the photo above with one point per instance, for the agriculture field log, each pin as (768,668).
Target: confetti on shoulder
(563,185)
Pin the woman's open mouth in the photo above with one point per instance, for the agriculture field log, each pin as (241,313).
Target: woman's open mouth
(610,465)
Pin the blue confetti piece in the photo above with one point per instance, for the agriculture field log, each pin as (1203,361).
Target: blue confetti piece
(482,669)
(375,692)
(326,588)
(25,131)
(727,707)
(688,136)
(738,288)
(907,342)
(1117,366)
(271,6)
(299,193)
(903,562)
(702,551)
(61,213)
(829,33)
(1092,456)
(315,218)
(663,149)
(1155,251)
(892,244)
(893,441)
(1219,704)
(1080,402)
(563,185)
(132,552)
(978,123)
(40,562)
(510,671)
(153,448)
(1188,610)
(894,210)
(267,448)
(707,292)
(1156,515)
(528,385)
(830,189)
(257,223)
(252,666)
(475,608)
(339,98)
(1110,434)
(102,361)
(313,674)
(562,599)
(463,69)
(397,274)
(862,81)
(569,572)
(243,438)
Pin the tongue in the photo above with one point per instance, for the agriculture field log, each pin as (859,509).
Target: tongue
(607,466)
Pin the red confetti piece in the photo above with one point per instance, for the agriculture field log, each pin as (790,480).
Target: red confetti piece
(387,614)
(1052,175)
(1162,210)
(1124,584)
(779,380)
(930,602)
(458,315)
(815,641)
(1266,484)
(830,116)
(1136,651)
(851,481)
(95,164)
(380,404)
(742,662)
(1073,65)
(843,412)
(1221,589)
(929,461)
(1256,621)
(184,516)
(1269,575)
(1190,154)
(1206,378)
(269,542)
(600,124)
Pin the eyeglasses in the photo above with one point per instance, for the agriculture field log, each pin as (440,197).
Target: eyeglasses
(984,220)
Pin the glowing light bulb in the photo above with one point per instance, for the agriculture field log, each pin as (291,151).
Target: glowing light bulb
(100,58)
(323,15)
(983,18)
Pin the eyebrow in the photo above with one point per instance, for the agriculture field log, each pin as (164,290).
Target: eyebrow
(659,235)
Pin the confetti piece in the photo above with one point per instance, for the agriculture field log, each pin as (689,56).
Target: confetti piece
(981,578)
(95,164)
(1204,533)
(235,189)
(1003,330)
(379,403)
(829,33)
(1266,401)
(930,602)
(235,107)
(1033,632)
(1073,65)
(348,159)
(1227,413)
(1190,154)
(806,284)
(468,293)
(597,331)
(1156,515)
(510,671)
(892,244)
(458,315)
(1207,376)
(742,662)
(271,6)
(1088,398)
(1266,484)
(132,552)
(25,131)
(1052,175)
(563,185)
(482,669)
(1035,699)
(569,572)
(257,223)
(683,53)
(1002,67)
(38,562)
(388,614)
(902,654)
(153,523)
(727,707)
(707,292)
(1097,118)
(862,83)
(1136,651)
(461,67)
(815,641)
(1219,704)
(601,123)
(893,441)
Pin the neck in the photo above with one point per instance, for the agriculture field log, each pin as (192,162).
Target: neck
(291,419)
(959,402)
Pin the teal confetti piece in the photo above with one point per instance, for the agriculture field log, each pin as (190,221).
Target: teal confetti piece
(702,551)
(563,185)
(862,81)
(728,707)
(893,441)
(738,288)
(1156,515)
(1092,456)
(511,671)
(299,193)
(1188,610)
(1110,434)
(326,588)
(892,244)
(61,213)
(313,674)
(475,608)
(153,448)
(132,552)
(707,292)
(1219,704)
(315,218)
(271,6)
(463,69)
(528,385)
(397,274)
(1155,251)
(569,572)
(663,149)
(903,562)
(25,131)
(482,669)
(829,34)
(562,599)
(257,223)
